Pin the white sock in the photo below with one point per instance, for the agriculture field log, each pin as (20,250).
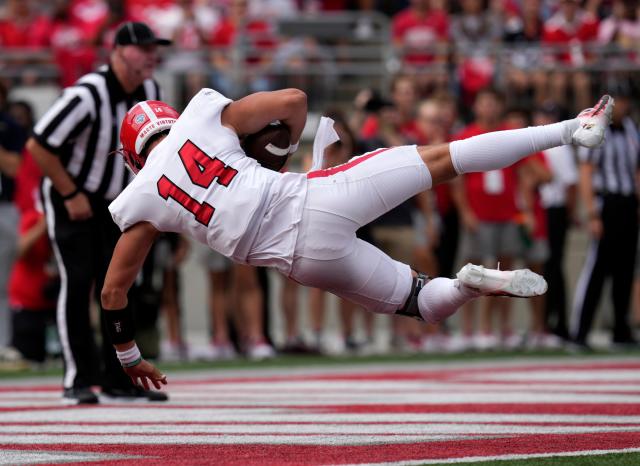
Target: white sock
(441,297)
(492,151)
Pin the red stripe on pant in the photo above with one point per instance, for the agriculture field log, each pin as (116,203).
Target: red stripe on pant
(345,166)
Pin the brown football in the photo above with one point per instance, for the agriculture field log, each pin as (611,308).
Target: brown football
(269,146)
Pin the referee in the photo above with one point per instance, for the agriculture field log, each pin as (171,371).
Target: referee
(608,190)
(72,143)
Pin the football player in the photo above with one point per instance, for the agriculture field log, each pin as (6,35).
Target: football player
(194,178)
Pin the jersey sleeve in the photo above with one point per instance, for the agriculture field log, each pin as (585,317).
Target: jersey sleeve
(69,115)
(140,202)
(127,211)
(208,104)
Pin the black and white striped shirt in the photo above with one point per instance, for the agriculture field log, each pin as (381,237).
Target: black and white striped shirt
(83,128)
(616,161)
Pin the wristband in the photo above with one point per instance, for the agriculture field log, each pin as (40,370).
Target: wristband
(71,195)
(120,325)
(130,357)
(294,147)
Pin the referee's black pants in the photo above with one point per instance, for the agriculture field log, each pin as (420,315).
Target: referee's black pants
(612,256)
(83,250)
(556,301)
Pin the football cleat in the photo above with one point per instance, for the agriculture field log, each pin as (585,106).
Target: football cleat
(593,123)
(521,283)
(79,396)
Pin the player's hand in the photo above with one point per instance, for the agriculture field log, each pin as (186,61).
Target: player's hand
(145,372)
(78,207)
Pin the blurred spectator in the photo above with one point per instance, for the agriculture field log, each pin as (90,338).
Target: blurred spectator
(568,32)
(219,300)
(439,231)
(609,193)
(146,9)
(252,38)
(24,32)
(22,113)
(525,79)
(189,23)
(622,27)
(421,32)
(366,103)
(157,290)
(91,13)
(104,34)
(532,172)
(300,61)
(419,29)
(436,123)
(32,290)
(248,301)
(272,10)
(71,42)
(620,34)
(559,200)
(487,205)
(474,32)
(294,342)
(178,250)
(395,125)
(22,25)
(12,139)
(430,130)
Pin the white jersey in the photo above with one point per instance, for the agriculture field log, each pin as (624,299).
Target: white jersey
(198,181)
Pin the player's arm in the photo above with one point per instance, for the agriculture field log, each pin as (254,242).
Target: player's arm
(127,260)
(255,111)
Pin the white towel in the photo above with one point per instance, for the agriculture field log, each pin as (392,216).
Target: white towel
(325,136)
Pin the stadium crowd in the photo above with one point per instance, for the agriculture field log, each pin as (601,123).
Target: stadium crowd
(462,68)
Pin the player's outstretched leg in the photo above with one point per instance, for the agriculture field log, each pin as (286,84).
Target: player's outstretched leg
(441,297)
(492,151)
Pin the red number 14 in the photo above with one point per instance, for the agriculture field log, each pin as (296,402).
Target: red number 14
(202,170)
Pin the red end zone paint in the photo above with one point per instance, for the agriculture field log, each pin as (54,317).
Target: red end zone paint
(613,409)
(257,455)
(465,439)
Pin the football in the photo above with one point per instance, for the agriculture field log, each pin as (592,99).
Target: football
(269,146)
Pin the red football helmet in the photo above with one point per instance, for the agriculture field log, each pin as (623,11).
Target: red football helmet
(141,122)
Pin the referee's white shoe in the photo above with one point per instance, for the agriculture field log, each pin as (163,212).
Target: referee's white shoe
(593,123)
(521,283)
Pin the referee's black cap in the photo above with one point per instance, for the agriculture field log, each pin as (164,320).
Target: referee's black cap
(134,33)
